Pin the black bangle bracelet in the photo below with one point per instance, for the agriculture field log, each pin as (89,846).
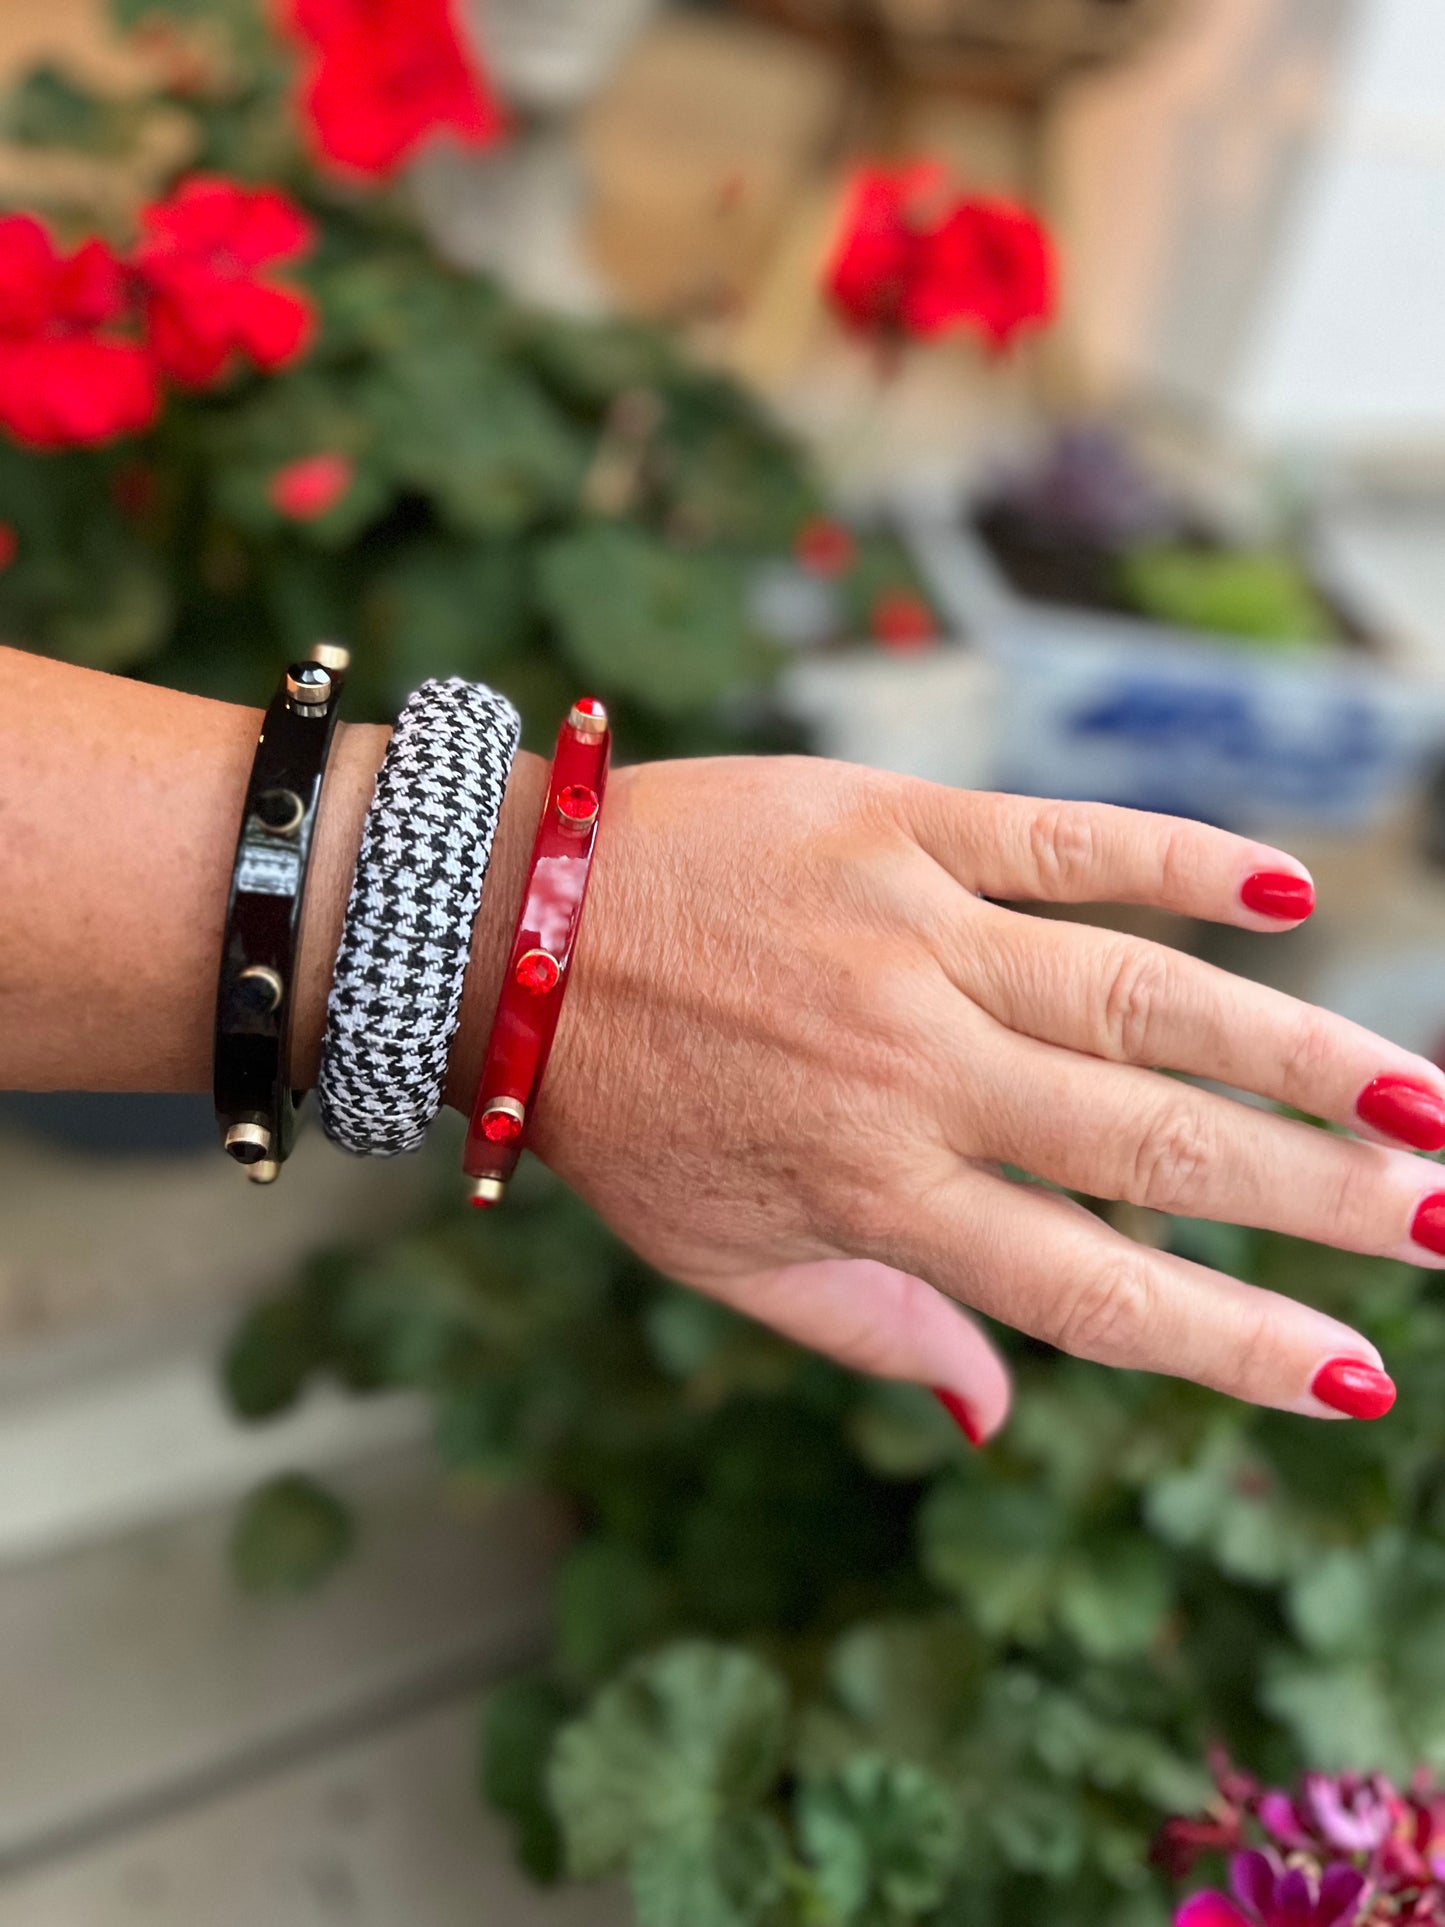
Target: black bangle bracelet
(255,1104)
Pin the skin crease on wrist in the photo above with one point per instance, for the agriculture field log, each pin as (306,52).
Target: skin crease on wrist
(801,1038)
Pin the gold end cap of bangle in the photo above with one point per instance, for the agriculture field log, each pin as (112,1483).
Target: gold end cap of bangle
(331,655)
(588,716)
(504,1120)
(266,1172)
(484,1192)
(248,1144)
(309,686)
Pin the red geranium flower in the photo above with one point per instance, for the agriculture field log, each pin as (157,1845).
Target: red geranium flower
(207,304)
(989,264)
(68,376)
(903,621)
(311,485)
(388,75)
(880,253)
(911,262)
(825,547)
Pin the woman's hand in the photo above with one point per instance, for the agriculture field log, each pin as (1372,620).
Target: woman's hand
(799,1036)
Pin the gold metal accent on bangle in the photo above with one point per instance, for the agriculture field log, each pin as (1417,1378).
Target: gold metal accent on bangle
(331,655)
(248,1137)
(487,1190)
(309,695)
(295,812)
(266,1172)
(588,722)
(269,979)
(577,823)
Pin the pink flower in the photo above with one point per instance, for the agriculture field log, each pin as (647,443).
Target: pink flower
(309,486)
(1272,1896)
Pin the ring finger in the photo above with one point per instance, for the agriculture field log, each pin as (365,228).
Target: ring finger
(1117,1131)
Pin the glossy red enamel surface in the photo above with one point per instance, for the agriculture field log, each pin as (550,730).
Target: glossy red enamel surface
(536,975)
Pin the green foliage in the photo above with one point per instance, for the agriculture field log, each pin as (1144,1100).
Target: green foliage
(1254,595)
(884,1838)
(536,500)
(816,1667)
(291,1534)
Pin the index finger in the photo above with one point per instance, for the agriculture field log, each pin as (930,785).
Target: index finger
(1023,848)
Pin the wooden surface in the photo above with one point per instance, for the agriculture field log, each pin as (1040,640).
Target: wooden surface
(179,1754)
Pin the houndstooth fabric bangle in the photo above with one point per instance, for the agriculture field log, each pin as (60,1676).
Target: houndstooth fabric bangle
(397,989)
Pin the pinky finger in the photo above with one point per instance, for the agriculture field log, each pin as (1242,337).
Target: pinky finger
(872,1318)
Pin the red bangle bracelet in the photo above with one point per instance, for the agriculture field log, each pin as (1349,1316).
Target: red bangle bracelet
(536,978)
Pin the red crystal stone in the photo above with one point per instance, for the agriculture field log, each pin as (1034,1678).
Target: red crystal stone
(577,802)
(589,706)
(480,1203)
(538,972)
(500,1127)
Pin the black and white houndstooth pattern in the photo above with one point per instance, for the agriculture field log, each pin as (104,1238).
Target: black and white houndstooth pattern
(397,990)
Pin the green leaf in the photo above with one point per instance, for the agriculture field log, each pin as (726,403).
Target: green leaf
(637,618)
(1115,1595)
(521,1721)
(1229,1502)
(276,1348)
(997,1549)
(910,1684)
(1343,1717)
(475,436)
(732,1873)
(883,1837)
(611,1602)
(676,1741)
(291,1535)
(448,608)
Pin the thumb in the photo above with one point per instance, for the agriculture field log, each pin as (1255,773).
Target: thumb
(872,1318)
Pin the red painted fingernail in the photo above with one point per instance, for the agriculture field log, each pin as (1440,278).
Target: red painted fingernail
(1428,1225)
(961,1414)
(1401,1108)
(1351,1386)
(1277,893)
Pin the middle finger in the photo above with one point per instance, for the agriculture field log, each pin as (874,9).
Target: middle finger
(1135,1002)
(1116,1131)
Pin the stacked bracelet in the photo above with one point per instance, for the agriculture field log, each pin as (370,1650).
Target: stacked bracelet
(396,993)
(255,1103)
(537,969)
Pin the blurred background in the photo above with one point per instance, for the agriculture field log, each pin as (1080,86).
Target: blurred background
(1035,394)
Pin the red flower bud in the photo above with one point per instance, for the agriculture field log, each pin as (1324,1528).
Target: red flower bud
(311,485)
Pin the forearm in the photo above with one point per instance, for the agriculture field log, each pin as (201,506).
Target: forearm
(119,807)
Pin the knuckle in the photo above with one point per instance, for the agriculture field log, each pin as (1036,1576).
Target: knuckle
(1181,858)
(1139,980)
(1353,1207)
(1109,1312)
(1064,844)
(863,1217)
(1173,1163)
(1310,1055)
